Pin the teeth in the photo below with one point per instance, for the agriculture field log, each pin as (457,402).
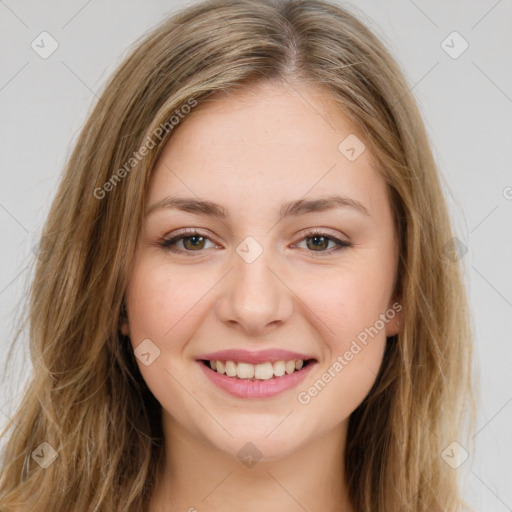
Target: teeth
(245,371)
(290,366)
(230,368)
(262,371)
(279,368)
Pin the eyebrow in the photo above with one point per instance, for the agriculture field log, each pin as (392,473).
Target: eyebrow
(293,208)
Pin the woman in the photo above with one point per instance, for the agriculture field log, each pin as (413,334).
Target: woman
(245,296)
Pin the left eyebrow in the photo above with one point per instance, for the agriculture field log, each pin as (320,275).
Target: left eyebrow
(303,206)
(292,208)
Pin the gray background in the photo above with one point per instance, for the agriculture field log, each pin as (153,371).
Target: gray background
(466,103)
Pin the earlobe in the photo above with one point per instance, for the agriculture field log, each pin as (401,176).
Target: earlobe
(395,323)
(124,328)
(123,320)
(393,328)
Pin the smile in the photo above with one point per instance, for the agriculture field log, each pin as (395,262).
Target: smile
(263,380)
(262,371)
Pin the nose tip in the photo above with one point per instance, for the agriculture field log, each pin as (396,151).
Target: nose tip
(253,297)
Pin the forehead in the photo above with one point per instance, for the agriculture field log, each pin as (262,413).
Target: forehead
(272,140)
(267,116)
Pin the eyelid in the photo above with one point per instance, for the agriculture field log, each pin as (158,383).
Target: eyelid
(322,232)
(185,233)
(308,232)
(167,242)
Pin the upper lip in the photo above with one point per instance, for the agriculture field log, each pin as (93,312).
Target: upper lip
(246,356)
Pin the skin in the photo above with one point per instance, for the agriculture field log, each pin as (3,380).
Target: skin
(251,152)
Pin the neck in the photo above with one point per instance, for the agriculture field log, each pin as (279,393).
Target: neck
(197,476)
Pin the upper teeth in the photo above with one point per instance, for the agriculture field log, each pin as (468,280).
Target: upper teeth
(263,371)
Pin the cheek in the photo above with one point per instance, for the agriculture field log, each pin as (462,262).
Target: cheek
(354,345)
(341,385)
(165,307)
(347,311)
(162,301)
(348,302)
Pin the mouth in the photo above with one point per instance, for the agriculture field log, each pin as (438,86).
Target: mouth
(256,381)
(257,372)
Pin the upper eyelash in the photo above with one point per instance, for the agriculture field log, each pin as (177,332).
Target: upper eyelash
(167,243)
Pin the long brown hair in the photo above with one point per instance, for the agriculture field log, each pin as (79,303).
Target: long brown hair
(86,398)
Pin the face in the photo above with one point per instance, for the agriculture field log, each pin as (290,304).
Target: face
(267,270)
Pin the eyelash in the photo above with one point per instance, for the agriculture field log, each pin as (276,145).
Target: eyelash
(169,243)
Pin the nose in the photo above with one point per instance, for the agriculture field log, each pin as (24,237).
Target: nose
(254,297)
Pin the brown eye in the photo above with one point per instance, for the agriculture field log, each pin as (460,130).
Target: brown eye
(193,242)
(318,242)
(183,243)
(187,243)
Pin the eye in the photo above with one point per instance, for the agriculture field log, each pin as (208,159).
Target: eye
(318,241)
(193,241)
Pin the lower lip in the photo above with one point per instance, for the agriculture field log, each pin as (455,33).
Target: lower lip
(243,388)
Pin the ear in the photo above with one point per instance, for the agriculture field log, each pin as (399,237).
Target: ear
(124,328)
(123,320)
(395,315)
